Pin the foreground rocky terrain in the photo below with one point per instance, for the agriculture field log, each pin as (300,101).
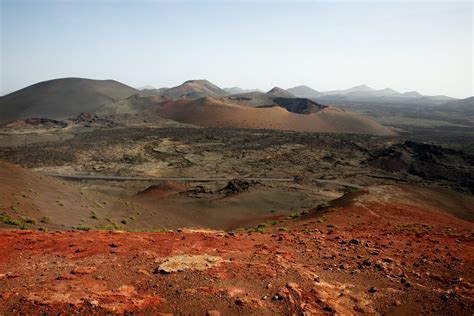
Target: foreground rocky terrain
(105,216)
(367,253)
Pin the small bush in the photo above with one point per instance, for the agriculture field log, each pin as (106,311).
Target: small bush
(43,229)
(105,227)
(124,221)
(28,220)
(332,226)
(45,220)
(162,230)
(261,228)
(81,227)
(283,229)
(294,215)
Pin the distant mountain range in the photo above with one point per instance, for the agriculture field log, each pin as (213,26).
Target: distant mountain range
(366,93)
(361,93)
(237,90)
(203,103)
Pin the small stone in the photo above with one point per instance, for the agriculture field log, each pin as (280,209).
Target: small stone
(239,302)
(354,241)
(436,277)
(328,309)
(213,313)
(372,289)
(83,270)
(359,309)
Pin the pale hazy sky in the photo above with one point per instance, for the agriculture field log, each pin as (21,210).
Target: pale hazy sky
(424,46)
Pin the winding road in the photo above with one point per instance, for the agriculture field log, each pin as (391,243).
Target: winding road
(137,178)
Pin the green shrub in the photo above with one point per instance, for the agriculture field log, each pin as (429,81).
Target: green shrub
(261,228)
(6,219)
(105,227)
(81,227)
(45,220)
(294,215)
(28,220)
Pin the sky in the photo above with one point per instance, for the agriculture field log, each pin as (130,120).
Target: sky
(327,45)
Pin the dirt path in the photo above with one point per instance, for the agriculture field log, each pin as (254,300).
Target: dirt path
(127,178)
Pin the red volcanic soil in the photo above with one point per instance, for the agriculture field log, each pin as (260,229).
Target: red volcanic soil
(219,113)
(366,253)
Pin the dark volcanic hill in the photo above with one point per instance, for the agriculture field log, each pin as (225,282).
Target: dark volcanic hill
(299,105)
(61,98)
(427,161)
(194,89)
(462,106)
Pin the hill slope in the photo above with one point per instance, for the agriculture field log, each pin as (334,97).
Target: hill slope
(193,89)
(304,92)
(277,92)
(370,253)
(61,98)
(221,113)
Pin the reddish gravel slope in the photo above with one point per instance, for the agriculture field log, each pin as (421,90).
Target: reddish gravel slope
(366,254)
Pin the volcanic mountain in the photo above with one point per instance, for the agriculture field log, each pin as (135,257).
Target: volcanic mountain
(277,92)
(194,89)
(214,112)
(61,98)
(304,92)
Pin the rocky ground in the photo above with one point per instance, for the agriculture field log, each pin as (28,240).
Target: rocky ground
(234,153)
(367,253)
(401,244)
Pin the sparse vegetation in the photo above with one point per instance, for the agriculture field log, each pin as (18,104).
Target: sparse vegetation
(94,215)
(45,220)
(6,219)
(294,215)
(28,220)
(105,227)
(82,227)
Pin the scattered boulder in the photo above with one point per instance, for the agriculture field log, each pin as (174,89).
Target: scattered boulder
(188,262)
(237,186)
